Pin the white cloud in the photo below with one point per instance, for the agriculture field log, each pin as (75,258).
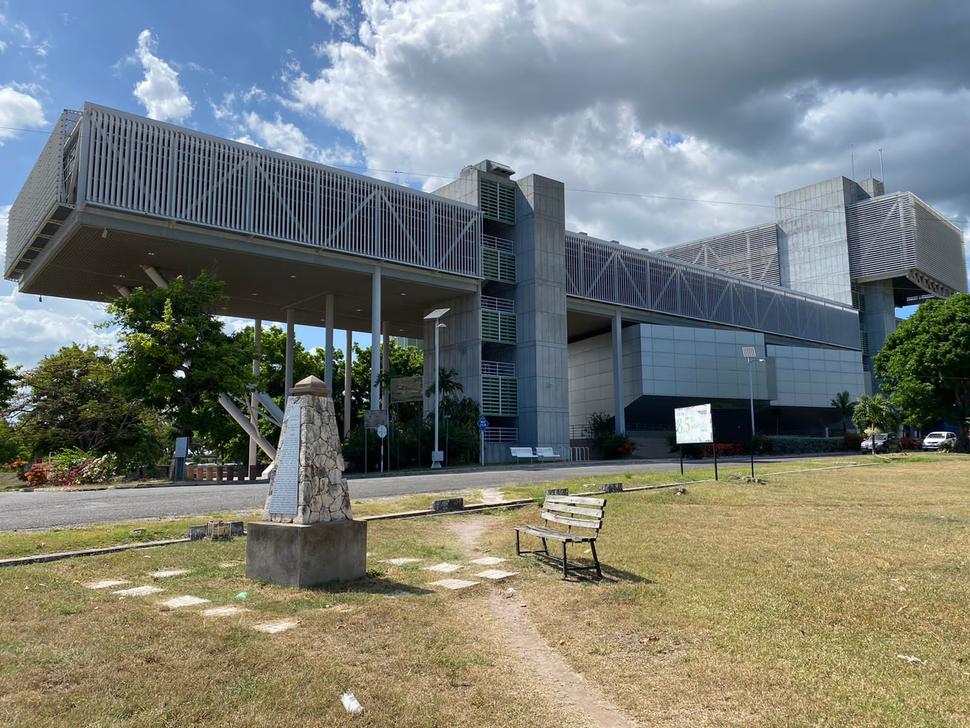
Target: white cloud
(733,102)
(3,46)
(159,91)
(31,329)
(18,110)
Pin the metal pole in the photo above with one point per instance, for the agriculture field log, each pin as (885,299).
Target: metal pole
(328,362)
(481,448)
(375,341)
(437,399)
(682,460)
(253,400)
(714,445)
(751,395)
(290,338)
(447,437)
(348,380)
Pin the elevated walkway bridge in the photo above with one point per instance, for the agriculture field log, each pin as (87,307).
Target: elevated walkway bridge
(114,195)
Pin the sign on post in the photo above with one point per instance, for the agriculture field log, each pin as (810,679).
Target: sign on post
(375,418)
(694,424)
(482,426)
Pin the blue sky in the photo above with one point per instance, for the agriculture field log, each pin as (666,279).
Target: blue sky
(731,102)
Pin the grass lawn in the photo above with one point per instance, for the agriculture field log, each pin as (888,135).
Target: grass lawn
(828,597)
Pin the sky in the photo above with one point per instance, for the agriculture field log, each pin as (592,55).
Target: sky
(629,102)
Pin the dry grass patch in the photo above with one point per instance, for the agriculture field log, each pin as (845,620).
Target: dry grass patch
(782,604)
(758,605)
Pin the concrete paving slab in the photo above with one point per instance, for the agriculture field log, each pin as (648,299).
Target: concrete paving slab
(138,591)
(224,612)
(276,627)
(166,573)
(186,601)
(444,567)
(454,584)
(488,561)
(104,583)
(401,561)
(496,574)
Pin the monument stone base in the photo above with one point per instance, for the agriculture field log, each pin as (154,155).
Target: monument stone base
(306,555)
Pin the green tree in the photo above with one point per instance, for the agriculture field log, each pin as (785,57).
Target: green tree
(843,404)
(176,357)
(74,399)
(925,364)
(8,382)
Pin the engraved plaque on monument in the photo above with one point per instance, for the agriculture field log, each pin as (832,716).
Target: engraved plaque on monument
(287,473)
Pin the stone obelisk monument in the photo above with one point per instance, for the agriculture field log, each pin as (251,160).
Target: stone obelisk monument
(308,535)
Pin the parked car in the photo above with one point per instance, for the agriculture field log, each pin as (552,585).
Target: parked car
(885,442)
(935,439)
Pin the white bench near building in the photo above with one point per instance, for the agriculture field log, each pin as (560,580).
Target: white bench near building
(534,453)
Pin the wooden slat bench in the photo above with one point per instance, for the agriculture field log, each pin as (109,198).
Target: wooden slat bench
(572,512)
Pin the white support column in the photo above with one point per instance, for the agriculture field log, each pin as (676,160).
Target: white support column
(375,339)
(385,366)
(618,398)
(328,362)
(348,379)
(290,340)
(253,401)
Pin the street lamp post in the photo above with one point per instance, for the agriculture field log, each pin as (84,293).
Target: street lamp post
(435,316)
(750,354)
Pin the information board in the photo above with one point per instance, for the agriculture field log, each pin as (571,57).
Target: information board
(406,389)
(286,477)
(694,424)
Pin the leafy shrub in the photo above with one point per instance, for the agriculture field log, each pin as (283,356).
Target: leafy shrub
(852,441)
(613,445)
(947,446)
(789,445)
(910,443)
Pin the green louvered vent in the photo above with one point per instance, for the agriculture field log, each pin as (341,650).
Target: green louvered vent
(497,200)
(498,327)
(499,396)
(497,265)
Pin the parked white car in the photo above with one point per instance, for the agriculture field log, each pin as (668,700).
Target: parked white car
(935,439)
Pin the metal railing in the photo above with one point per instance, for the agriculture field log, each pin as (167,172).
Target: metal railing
(502,434)
(138,165)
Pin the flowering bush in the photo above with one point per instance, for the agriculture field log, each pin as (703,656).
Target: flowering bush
(73,467)
(37,474)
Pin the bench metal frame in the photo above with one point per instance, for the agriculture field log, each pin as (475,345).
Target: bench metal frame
(573,512)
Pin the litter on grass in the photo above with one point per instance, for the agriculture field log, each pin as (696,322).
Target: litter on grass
(351,704)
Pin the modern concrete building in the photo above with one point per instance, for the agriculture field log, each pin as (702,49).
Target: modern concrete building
(545,326)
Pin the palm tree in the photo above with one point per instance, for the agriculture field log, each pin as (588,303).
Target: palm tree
(873,415)
(448,385)
(844,405)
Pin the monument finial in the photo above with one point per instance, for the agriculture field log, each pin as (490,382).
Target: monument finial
(310,385)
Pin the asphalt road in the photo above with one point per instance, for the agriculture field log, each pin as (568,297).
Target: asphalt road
(50,509)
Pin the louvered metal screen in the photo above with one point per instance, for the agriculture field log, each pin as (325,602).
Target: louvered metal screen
(900,235)
(49,185)
(752,253)
(602,271)
(143,166)
(497,200)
